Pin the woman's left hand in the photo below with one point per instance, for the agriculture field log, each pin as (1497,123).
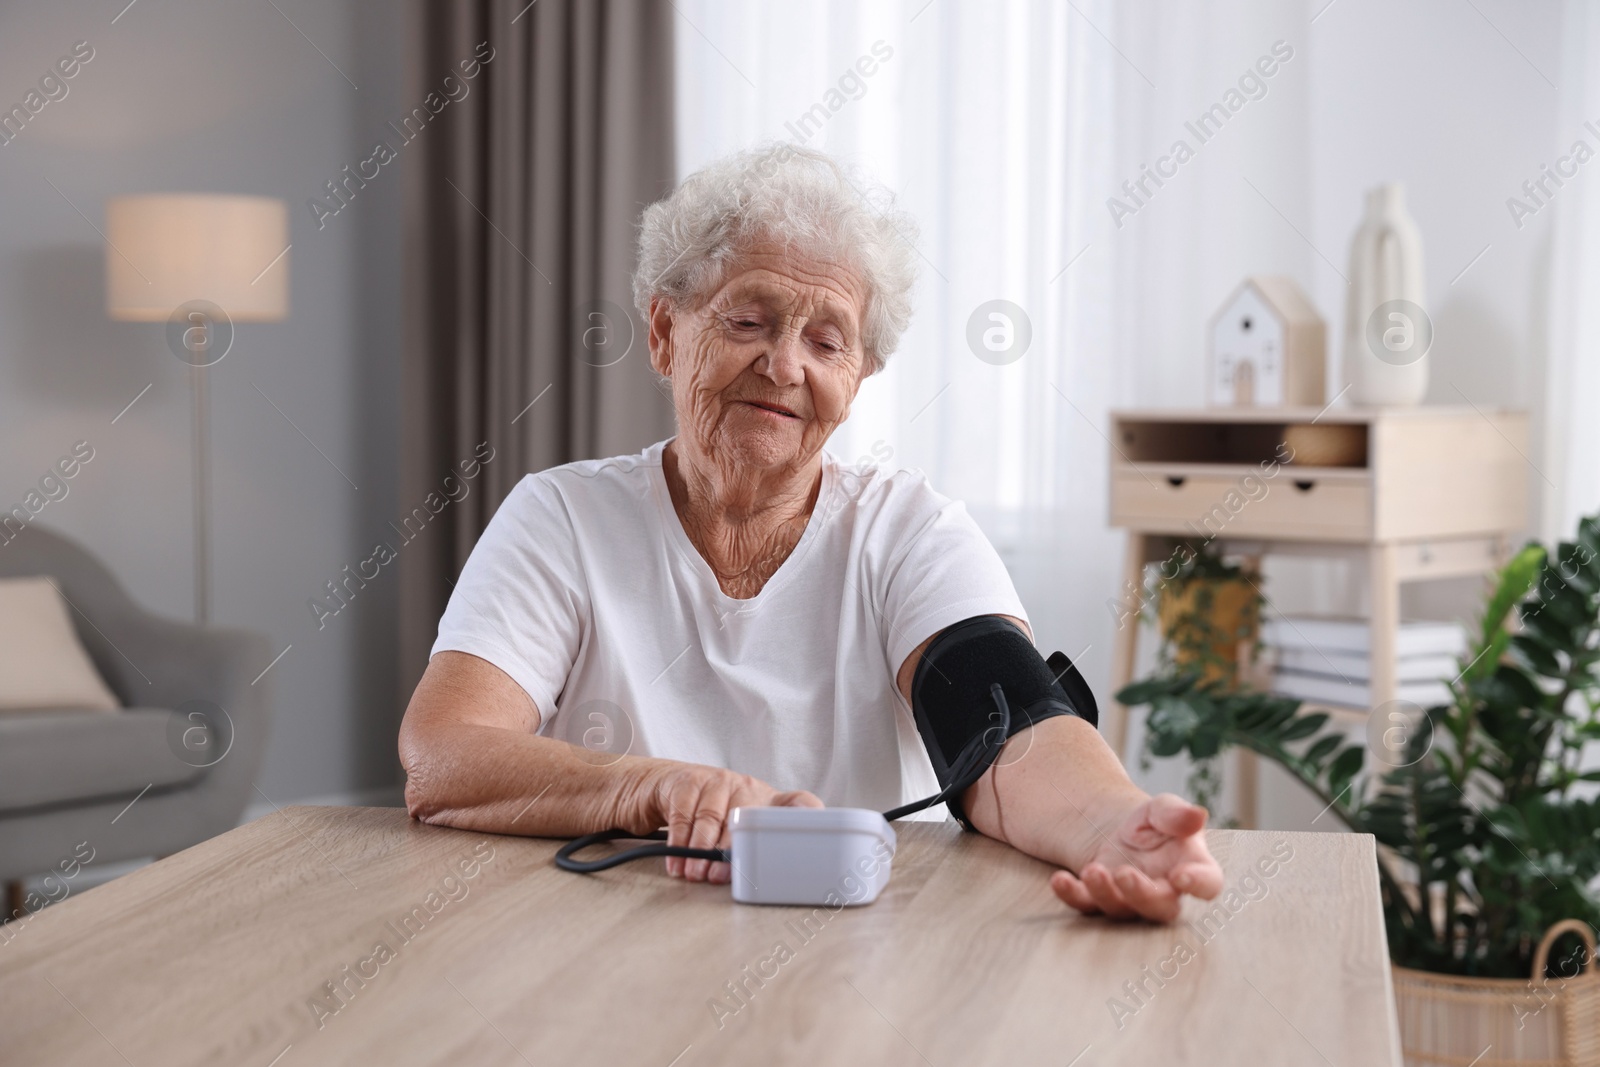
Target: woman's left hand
(1145,864)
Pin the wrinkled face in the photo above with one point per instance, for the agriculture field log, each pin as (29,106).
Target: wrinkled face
(764,372)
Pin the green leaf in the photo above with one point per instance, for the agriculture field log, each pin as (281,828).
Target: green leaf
(1278,713)
(1322,749)
(1144,691)
(1572,564)
(1548,628)
(1536,654)
(1165,745)
(1589,538)
(1509,688)
(1347,765)
(1568,606)
(1516,578)
(1304,726)
(1205,743)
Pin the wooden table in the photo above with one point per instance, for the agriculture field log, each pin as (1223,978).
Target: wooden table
(222,954)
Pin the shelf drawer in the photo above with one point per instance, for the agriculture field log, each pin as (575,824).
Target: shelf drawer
(1246,504)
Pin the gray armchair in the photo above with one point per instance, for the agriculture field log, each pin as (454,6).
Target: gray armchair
(68,776)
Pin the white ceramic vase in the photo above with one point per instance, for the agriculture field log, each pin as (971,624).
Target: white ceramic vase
(1387,333)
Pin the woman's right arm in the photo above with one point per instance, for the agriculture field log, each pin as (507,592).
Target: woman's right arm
(473,761)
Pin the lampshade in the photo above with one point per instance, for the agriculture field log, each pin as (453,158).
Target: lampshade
(163,251)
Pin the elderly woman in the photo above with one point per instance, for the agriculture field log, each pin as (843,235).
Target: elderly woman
(735,617)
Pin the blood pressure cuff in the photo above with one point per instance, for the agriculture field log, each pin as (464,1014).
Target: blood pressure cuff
(956,711)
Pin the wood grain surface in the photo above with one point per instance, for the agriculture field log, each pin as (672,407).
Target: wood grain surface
(354,935)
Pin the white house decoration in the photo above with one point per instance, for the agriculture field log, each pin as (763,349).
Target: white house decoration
(1266,346)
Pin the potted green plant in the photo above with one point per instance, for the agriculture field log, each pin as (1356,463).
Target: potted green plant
(1489,837)
(1209,611)
(1208,608)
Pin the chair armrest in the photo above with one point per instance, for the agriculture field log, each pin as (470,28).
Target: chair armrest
(163,663)
(157,662)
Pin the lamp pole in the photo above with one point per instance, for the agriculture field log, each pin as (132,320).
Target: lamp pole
(198,340)
(202,494)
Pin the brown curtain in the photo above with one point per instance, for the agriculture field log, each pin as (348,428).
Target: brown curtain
(521,220)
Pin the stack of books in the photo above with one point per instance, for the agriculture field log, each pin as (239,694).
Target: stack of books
(1326,660)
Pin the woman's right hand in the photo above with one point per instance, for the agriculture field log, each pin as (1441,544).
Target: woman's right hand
(693,802)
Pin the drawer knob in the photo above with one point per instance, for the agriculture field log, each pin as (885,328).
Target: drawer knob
(1176,480)
(1305,485)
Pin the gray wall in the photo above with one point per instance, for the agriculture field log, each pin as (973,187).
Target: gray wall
(219,97)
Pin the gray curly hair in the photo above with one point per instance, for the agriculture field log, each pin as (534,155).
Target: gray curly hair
(799,197)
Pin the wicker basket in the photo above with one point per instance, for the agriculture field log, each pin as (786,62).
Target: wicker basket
(1331,444)
(1503,1022)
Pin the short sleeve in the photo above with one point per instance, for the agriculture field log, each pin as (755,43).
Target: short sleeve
(521,599)
(943,570)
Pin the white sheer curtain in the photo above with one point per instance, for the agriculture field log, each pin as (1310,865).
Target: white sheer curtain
(992,123)
(1571,432)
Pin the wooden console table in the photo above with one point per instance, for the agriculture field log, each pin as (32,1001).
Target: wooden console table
(261,948)
(1442,493)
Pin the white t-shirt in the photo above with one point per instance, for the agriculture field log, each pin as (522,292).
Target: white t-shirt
(585,589)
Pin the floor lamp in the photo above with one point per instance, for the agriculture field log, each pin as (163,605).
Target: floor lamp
(199,263)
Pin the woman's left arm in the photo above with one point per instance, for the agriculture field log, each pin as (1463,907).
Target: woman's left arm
(1059,793)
